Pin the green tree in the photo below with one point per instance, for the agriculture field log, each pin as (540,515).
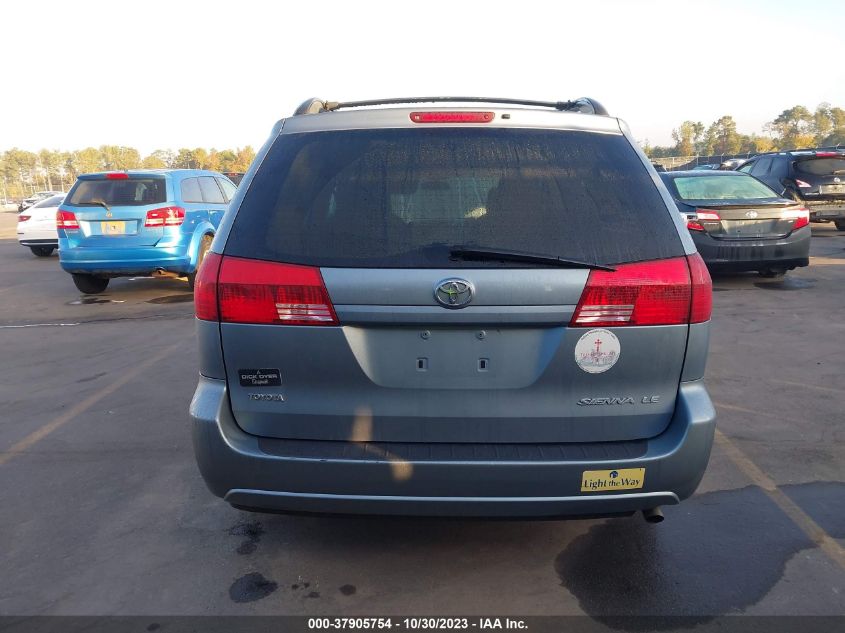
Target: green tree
(87,161)
(117,157)
(245,157)
(722,138)
(793,128)
(688,138)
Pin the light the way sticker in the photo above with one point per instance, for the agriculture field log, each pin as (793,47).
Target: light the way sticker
(622,479)
(597,351)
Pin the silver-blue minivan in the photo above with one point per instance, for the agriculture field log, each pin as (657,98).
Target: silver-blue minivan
(471,307)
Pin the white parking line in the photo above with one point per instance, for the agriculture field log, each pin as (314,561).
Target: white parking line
(6,327)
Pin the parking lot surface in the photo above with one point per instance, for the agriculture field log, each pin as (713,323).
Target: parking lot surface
(104,512)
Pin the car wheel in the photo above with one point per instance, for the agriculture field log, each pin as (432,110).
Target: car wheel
(205,245)
(89,284)
(42,251)
(772,272)
(840,224)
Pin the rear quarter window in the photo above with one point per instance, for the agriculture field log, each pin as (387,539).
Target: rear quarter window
(405,197)
(211,193)
(190,188)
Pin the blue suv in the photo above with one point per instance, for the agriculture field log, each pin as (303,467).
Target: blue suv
(138,223)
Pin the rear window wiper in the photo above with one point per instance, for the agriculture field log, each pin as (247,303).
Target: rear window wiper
(491,254)
(98,203)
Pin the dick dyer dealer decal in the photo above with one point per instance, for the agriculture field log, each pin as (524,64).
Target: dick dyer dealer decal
(597,351)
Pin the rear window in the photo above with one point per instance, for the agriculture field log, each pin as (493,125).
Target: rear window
(52,201)
(821,166)
(737,187)
(121,193)
(405,197)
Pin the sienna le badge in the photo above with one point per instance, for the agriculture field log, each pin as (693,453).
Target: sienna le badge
(597,351)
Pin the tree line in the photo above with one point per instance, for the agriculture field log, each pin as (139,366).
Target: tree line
(22,172)
(794,128)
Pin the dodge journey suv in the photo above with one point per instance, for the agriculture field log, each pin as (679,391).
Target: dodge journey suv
(441,306)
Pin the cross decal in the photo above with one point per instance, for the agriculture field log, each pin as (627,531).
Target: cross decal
(598,345)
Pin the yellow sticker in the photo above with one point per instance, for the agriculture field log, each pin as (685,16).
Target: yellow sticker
(622,479)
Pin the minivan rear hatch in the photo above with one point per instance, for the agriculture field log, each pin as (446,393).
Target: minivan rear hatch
(401,285)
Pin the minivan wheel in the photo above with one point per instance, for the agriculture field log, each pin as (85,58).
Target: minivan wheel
(840,224)
(42,251)
(89,284)
(205,245)
(772,272)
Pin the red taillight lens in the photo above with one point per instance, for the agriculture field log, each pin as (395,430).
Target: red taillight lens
(802,218)
(452,117)
(117,175)
(66,220)
(702,290)
(23,218)
(166,216)
(702,216)
(205,288)
(252,291)
(647,293)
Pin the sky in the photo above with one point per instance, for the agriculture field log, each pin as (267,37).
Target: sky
(183,73)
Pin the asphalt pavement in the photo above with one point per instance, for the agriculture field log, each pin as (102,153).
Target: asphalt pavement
(103,512)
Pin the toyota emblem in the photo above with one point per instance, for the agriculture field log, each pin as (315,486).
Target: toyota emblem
(453,293)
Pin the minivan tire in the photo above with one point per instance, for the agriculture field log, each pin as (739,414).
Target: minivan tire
(772,273)
(205,245)
(89,284)
(42,251)
(840,225)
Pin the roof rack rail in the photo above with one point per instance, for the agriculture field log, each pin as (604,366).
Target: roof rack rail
(584,105)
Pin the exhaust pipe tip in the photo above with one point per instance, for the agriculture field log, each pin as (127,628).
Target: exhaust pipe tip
(653,515)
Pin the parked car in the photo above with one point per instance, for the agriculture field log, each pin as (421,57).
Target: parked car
(37,226)
(452,310)
(139,222)
(707,167)
(38,197)
(738,223)
(234,176)
(815,178)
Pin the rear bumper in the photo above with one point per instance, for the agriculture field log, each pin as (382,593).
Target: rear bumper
(830,210)
(123,262)
(790,252)
(34,241)
(246,473)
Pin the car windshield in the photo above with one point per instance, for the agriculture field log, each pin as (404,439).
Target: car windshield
(118,192)
(52,201)
(734,187)
(407,197)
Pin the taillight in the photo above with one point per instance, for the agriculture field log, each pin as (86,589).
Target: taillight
(166,216)
(702,290)
(802,217)
(205,288)
(802,184)
(253,291)
(66,220)
(646,293)
(452,117)
(702,216)
(23,218)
